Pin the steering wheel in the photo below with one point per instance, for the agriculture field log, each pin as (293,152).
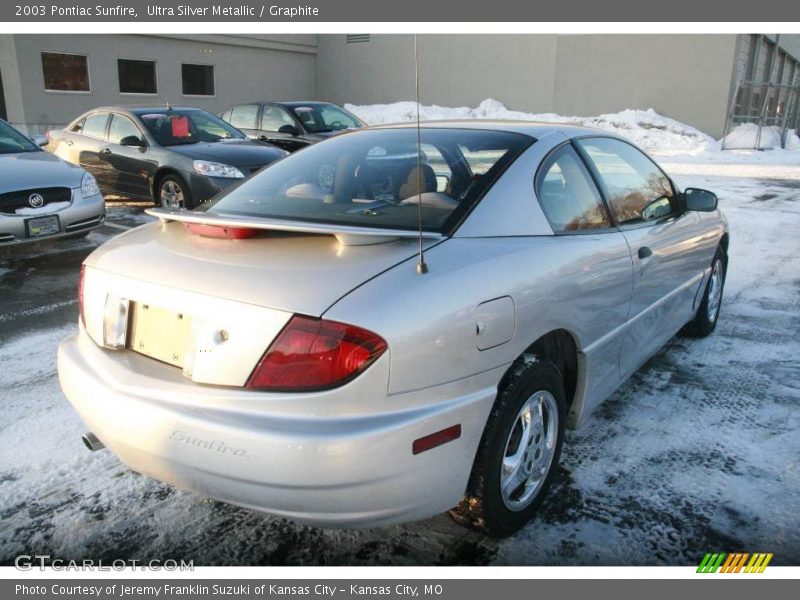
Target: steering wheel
(337,125)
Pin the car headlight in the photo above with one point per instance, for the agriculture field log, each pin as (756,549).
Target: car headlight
(213,169)
(89,186)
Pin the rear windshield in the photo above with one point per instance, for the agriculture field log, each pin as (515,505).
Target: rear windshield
(176,127)
(372,178)
(12,141)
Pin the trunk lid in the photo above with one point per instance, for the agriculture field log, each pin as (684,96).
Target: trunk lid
(297,272)
(212,307)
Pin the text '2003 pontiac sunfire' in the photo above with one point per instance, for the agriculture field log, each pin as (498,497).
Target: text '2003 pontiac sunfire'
(286,347)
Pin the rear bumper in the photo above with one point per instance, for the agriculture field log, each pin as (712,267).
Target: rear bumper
(254,450)
(83,214)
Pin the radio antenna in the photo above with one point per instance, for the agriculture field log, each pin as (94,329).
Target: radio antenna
(422,268)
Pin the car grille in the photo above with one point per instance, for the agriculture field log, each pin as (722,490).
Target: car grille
(11,201)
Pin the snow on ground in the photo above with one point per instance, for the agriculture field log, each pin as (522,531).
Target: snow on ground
(698,451)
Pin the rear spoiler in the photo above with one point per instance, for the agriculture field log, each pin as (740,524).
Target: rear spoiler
(347,235)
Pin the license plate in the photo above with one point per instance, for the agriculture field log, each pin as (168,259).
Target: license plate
(159,333)
(42,226)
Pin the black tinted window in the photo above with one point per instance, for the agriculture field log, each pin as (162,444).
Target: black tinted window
(198,80)
(137,76)
(568,196)
(637,189)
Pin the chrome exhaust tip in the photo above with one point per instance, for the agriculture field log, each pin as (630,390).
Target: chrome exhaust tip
(92,442)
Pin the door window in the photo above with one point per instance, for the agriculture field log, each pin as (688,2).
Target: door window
(122,127)
(568,196)
(95,125)
(244,116)
(638,191)
(274,117)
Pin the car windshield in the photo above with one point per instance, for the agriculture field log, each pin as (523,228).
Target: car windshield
(324,118)
(177,127)
(371,178)
(12,141)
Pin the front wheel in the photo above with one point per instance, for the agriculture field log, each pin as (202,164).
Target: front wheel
(519,451)
(705,321)
(173,193)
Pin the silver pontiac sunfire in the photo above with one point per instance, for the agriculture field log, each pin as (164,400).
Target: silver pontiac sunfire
(288,347)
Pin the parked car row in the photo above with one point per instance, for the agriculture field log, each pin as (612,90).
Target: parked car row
(176,157)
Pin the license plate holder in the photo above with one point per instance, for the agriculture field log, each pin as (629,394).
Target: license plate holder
(158,333)
(41,226)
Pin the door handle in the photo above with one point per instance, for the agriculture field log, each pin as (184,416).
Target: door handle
(645,252)
(70,142)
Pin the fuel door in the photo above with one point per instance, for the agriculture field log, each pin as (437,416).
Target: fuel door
(494,322)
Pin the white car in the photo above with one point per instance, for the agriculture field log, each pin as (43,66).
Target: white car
(42,196)
(287,347)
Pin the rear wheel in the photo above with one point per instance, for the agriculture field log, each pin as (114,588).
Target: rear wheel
(172,192)
(705,321)
(519,451)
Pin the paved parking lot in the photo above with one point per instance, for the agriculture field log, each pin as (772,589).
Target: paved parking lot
(699,451)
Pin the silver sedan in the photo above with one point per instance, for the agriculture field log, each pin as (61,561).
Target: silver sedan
(392,323)
(41,196)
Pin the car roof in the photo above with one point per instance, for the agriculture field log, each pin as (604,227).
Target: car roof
(142,109)
(535,129)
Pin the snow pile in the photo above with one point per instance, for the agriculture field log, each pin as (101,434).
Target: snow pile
(655,133)
(746,137)
(792,140)
(646,128)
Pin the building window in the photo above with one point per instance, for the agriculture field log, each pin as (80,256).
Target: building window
(198,80)
(137,76)
(357,38)
(65,72)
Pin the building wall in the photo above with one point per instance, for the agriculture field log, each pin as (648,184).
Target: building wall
(455,70)
(245,68)
(687,78)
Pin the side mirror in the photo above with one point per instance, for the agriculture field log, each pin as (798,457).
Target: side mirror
(289,129)
(40,140)
(133,141)
(700,200)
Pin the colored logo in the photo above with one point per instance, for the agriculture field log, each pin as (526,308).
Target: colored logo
(736,562)
(36,200)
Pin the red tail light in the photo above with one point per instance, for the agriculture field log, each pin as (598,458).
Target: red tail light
(80,294)
(315,354)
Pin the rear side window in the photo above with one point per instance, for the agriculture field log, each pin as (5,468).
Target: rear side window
(244,117)
(95,125)
(638,191)
(568,196)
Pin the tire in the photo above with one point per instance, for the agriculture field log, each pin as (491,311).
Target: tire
(533,383)
(172,192)
(705,321)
